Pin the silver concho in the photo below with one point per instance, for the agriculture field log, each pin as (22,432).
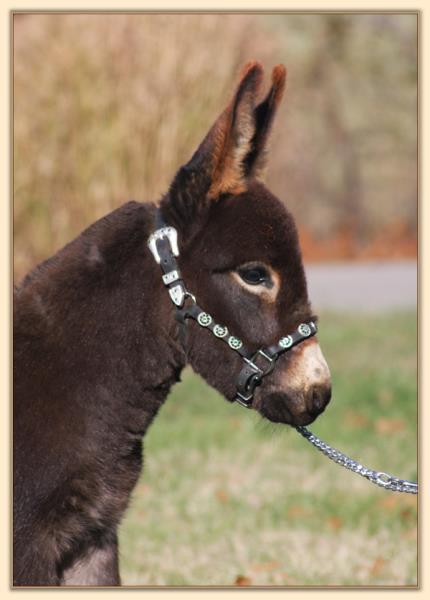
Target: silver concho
(304,329)
(204,319)
(286,342)
(220,331)
(234,342)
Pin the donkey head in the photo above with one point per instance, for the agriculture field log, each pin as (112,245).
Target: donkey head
(240,256)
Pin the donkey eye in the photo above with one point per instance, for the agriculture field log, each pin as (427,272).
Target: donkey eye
(255,275)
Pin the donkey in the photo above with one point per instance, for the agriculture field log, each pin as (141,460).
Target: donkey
(98,344)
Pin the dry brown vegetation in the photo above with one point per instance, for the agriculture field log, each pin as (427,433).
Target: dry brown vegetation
(107,107)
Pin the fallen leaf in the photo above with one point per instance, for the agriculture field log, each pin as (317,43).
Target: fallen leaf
(410,500)
(266,566)
(296,511)
(383,425)
(407,514)
(335,522)
(355,420)
(410,534)
(235,423)
(393,502)
(144,488)
(389,503)
(222,495)
(377,566)
(385,397)
(289,579)
(242,580)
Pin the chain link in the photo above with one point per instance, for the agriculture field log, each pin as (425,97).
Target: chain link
(384,480)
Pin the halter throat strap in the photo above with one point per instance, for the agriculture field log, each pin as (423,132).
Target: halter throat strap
(163,244)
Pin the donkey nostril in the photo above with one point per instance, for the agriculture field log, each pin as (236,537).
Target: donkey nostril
(320,397)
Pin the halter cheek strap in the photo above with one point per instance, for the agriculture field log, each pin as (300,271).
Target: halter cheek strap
(163,244)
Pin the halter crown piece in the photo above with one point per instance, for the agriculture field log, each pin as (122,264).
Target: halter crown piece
(163,244)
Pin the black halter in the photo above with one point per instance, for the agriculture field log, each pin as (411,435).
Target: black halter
(163,244)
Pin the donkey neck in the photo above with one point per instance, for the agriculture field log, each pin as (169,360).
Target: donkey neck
(100,306)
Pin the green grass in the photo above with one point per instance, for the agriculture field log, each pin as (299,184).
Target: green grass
(225,495)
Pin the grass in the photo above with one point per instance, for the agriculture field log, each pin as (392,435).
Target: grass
(228,499)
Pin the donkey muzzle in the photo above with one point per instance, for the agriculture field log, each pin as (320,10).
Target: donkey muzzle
(301,390)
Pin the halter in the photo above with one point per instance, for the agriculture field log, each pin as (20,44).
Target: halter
(163,244)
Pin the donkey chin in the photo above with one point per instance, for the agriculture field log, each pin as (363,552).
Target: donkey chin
(301,390)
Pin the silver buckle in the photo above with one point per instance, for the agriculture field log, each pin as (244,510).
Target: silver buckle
(165,232)
(252,364)
(270,360)
(259,370)
(245,401)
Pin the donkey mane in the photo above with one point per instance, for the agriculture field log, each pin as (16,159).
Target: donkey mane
(133,217)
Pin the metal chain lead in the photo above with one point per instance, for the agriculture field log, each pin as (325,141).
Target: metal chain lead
(179,293)
(388,482)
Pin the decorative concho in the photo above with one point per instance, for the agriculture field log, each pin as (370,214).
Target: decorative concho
(304,329)
(204,319)
(286,341)
(220,331)
(234,342)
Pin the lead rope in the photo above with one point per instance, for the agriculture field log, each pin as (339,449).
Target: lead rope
(384,480)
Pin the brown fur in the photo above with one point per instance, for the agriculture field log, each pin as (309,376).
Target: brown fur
(96,347)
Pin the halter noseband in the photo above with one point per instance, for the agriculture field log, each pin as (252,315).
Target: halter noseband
(163,244)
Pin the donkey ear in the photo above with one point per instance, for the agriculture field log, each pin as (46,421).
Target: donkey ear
(218,165)
(231,135)
(255,161)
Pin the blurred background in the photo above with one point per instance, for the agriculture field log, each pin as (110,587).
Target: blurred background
(105,109)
